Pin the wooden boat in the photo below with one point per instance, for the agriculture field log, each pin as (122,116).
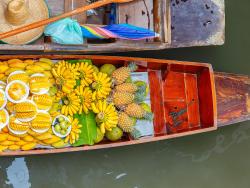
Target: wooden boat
(179,24)
(210,99)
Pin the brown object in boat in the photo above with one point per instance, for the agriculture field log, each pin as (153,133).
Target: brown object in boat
(44,22)
(211,99)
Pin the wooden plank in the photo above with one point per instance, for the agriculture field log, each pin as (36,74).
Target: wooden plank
(139,13)
(207,98)
(70,5)
(157,105)
(192,100)
(233,98)
(56,7)
(174,87)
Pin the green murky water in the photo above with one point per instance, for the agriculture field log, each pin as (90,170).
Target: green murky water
(216,159)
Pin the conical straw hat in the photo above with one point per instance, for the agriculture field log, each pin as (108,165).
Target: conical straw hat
(17,13)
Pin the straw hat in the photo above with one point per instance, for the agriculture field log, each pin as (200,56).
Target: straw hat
(17,13)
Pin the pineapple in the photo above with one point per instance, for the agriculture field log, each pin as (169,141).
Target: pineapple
(135,110)
(120,75)
(126,87)
(123,98)
(126,123)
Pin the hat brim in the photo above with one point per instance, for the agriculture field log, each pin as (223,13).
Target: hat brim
(38,11)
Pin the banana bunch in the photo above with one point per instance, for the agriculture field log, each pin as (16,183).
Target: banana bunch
(65,79)
(85,73)
(72,67)
(85,96)
(75,131)
(101,86)
(71,104)
(107,116)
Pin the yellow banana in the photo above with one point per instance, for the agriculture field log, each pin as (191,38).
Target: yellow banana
(2,148)
(2,75)
(45,66)
(14,61)
(7,143)
(3,137)
(14,147)
(10,70)
(59,144)
(35,68)
(45,60)
(52,140)
(28,138)
(20,143)
(3,68)
(29,61)
(28,146)
(18,65)
(44,136)
(13,138)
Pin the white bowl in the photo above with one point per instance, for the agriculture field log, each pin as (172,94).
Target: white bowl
(53,126)
(14,73)
(41,130)
(2,85)
(16,132)
(21,83)
(43,91)
(5,99)
(2,125)
(29,119)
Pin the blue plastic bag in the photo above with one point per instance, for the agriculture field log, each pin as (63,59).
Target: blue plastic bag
(65,31)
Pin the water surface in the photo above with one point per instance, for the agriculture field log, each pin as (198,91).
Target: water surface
(216,159)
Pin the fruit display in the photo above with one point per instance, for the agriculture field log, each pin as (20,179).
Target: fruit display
(68,103)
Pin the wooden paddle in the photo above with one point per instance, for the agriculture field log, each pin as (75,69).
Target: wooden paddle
(67,14)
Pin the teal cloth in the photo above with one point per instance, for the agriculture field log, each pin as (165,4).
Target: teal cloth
(65,31)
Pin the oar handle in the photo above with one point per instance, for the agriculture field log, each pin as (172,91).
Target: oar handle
(50,20)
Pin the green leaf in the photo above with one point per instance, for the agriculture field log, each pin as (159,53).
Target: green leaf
(80,61)
(89,130)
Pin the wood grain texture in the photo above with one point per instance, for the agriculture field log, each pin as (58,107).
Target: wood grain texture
(70,5)
(139,13)
(233,98)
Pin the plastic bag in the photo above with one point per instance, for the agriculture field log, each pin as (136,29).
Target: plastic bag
(65,31)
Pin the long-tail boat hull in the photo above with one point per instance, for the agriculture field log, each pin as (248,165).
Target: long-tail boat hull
(186,98)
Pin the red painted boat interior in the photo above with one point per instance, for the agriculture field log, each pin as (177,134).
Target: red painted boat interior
(181,95)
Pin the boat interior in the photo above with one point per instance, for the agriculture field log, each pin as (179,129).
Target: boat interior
(182,94)
(153,15)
